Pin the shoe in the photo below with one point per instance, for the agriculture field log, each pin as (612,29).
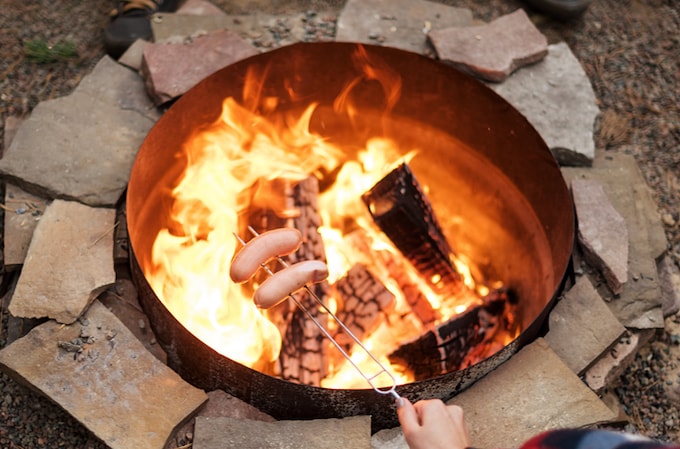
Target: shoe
(561,9)
(130,21)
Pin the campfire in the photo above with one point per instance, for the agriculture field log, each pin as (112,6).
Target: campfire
(442,255)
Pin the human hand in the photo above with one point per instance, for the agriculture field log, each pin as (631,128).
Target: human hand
(430,424)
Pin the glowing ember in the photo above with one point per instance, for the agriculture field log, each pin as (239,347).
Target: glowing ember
(250,145)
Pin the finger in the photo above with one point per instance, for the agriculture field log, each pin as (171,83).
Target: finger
(430,409)
(408,417)
(455,412)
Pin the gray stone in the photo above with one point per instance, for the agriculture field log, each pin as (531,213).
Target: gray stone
(200,8)
(389,439)
(639,305)
(82,147)
(170,70)
(225,433)
(605,371)
(261,30)
(68,260)
(118,86)
(22,214)
(12,124)
(397,23)
(644,200)
(132,57)
(121,299)
(602,232)
(532,392)
(581,327)
(98,372)
(669,283)
(556,96)
(221,404)
(491,51)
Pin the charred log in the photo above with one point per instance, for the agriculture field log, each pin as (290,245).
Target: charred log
(303,351)
(402,211)
(364,303)
(393,265)
(286,203)
(453,345)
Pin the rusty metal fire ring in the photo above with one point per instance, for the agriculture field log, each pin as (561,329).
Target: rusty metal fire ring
(529,250)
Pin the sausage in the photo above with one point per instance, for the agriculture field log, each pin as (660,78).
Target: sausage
(260,249)
(289,280)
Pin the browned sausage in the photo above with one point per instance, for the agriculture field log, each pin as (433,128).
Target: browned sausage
(289,280)
(260,249)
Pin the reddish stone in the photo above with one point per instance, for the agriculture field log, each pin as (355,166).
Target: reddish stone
(171,69)
(602,232)
(494,50)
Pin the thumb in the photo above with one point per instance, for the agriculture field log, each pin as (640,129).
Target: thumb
(408,417)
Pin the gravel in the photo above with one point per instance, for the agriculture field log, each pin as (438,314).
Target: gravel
(628,48)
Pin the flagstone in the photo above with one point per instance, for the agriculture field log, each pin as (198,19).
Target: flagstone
(579,338)
(225,433)
(101,374)
(171,69)
(602,232)
(611,365)
(199,8)
(556,96)
(260,29)
(68,261)
(397,23)
(81,147)
(639,304)
(669,284)
(132,57)
(12,124)
(22,214)
(494,50)
(532,392)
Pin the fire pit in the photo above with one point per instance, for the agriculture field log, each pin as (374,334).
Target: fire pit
(490,187)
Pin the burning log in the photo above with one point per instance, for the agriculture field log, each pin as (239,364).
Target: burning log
(415,298)
(398,270)
(285,203)
(364,303)
(402,211)
(461,341)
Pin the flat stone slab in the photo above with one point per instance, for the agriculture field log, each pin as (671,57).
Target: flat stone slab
(12,124)
(491,51)
(581,327)
(532,392)
(199,8)
(556,96)
(171,69)
(81,147)
(68,261)
(23,211)
(263,31)
(121,299)
(101,374)
(397,23)
(644,201)
(639,304)
(605,371)
(669,283)
(226,433)
(602,232)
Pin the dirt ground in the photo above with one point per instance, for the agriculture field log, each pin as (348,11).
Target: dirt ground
(629,48)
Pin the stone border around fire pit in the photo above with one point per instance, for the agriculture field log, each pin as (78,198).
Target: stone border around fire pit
(541,387)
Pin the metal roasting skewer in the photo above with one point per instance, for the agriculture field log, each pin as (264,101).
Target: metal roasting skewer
(369,378)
